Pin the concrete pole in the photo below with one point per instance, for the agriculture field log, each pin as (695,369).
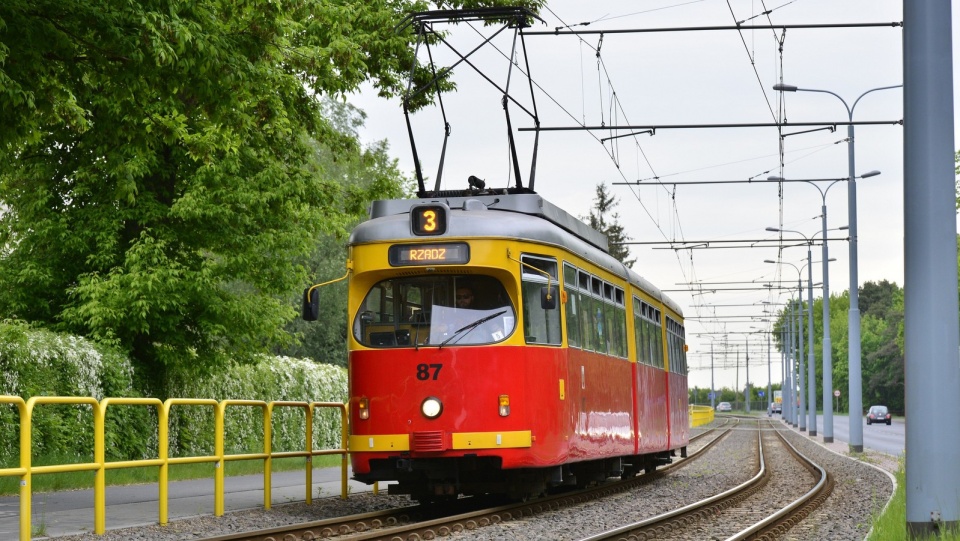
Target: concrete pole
(783,375)
(794,405)
(802,413)
(788,379)
(855,398)
(931,333)
(811,367)
(746,363)
(769,376)
(827,346)
(713,389)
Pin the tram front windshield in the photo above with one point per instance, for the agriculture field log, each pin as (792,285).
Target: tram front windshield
(434,310)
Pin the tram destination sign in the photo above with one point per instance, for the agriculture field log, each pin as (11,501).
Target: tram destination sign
(450,253)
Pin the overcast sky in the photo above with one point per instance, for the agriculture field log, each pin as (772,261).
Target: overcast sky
(691,78)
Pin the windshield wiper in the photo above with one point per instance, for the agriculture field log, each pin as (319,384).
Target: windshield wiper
(465,330)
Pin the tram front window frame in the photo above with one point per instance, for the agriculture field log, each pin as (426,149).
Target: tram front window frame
(417,311)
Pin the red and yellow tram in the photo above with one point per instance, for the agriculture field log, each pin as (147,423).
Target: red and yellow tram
(565,369)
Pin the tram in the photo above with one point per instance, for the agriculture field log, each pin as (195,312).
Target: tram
(496,347)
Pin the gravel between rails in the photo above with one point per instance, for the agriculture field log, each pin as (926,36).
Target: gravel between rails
(862,490)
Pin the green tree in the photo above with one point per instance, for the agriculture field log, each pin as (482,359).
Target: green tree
(371,171)
(881,335)
(603,218)
(956,161)
(156,170)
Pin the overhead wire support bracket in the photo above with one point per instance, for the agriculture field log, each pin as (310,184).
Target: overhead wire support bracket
(709,126)
(658,183)
(557,32)
(651,132)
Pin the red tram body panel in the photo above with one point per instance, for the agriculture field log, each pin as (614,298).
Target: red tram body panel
(497,347)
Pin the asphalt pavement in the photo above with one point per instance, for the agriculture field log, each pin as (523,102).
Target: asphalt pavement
(71,512)
(879,437)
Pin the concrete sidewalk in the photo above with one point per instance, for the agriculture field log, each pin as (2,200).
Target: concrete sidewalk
(71,512)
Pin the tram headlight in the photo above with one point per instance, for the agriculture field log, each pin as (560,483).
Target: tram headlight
(364,406)
(431,407)
(504,405)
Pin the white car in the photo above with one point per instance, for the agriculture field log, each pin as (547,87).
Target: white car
(724,406)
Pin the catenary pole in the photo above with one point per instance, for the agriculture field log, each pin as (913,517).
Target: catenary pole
(811,367)
(931,333)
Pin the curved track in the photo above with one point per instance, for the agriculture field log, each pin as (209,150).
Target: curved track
(743,512)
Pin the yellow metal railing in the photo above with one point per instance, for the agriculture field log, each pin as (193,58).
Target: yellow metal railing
(163,460)
(700,415)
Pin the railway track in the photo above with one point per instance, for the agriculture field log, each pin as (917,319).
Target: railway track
(428,522)
(743,512)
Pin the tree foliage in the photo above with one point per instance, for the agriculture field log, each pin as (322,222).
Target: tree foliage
(603,218)
(881,343)
(156,177)
(956,161)
(370,172)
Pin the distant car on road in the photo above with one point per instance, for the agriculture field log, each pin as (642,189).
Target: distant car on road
(878,414)
(776,407)
(724,406)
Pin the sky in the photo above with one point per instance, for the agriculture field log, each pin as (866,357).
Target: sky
(684,78)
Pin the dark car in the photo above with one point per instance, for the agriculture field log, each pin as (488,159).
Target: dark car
(878,414)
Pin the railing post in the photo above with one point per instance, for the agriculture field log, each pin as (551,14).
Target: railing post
(163,453)
(344,439)
(309,450)
(268,461)
(26,479)
(219,467)
(100,479)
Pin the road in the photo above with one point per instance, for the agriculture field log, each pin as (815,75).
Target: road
(71,512)
(879,437)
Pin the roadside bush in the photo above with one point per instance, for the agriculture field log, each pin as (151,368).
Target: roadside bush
(35,362)
(269,379)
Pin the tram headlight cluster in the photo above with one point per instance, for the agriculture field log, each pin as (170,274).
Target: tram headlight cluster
(431,407)
(364,406)
(504,405)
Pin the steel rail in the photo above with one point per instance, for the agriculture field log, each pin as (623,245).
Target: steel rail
(777,524)
(398,523)
(726,497)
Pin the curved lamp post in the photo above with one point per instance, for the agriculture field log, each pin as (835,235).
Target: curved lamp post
(803,384)
(827,343)
(855,399)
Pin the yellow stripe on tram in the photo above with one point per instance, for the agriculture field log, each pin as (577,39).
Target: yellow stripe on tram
(492,440)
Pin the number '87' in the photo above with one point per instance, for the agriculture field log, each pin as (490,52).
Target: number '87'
(428,371)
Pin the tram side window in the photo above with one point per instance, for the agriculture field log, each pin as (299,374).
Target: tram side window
(638,340)
(658,340)
(572,307)
(649,335)
(620,324)
(539,326)
(678,361)
(681,352)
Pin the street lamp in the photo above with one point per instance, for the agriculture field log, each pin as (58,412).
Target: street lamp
(827,344)
(769,380)
(856,392)
(803,400)
(811,369)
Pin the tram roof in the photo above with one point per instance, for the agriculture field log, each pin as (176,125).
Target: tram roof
(389,221)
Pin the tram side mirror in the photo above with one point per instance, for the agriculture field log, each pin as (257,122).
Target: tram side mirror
(311,304)
(548,297)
